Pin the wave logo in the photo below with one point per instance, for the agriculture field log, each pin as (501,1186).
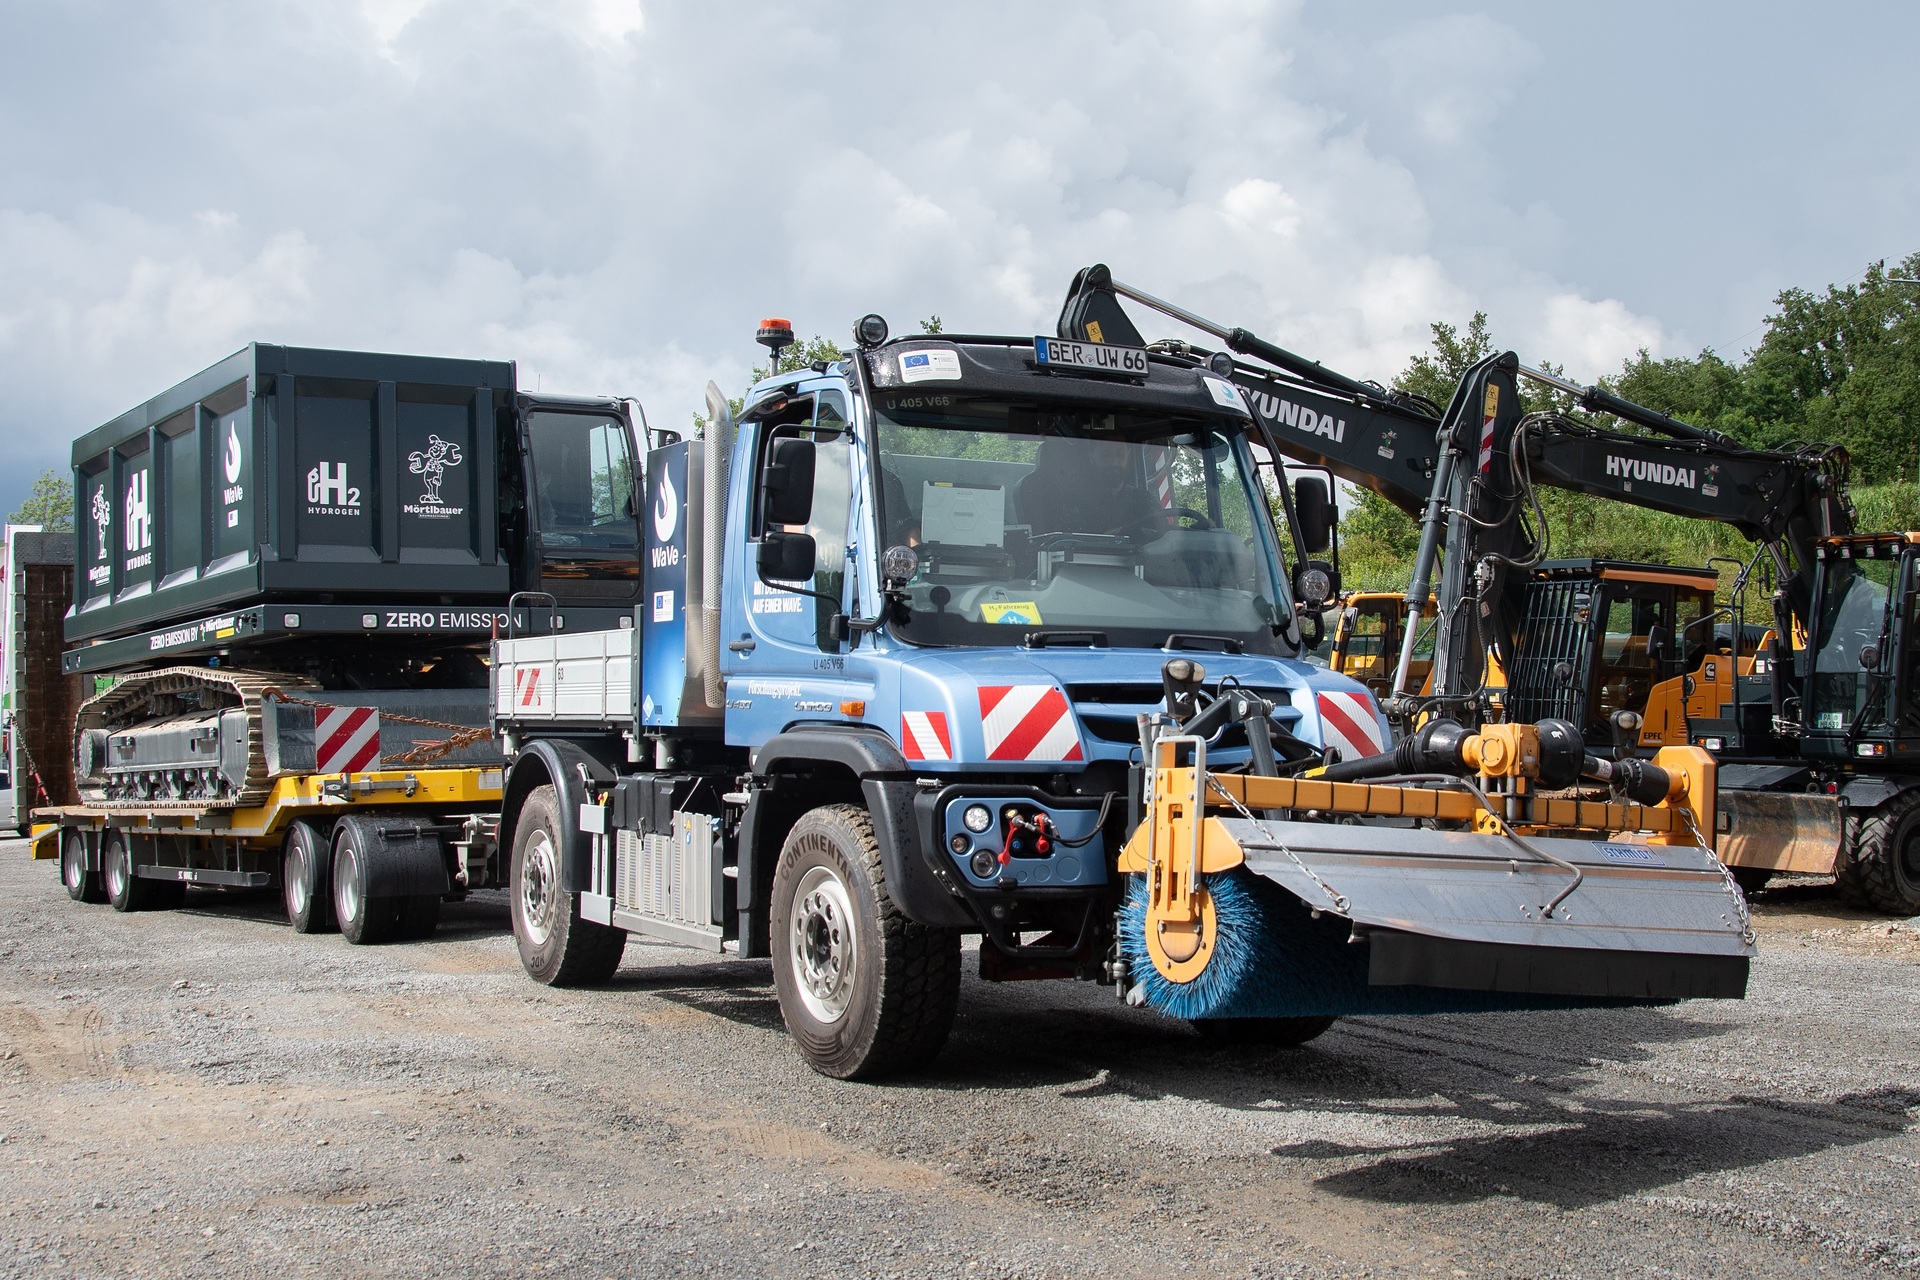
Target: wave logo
(666,511)
(230,460)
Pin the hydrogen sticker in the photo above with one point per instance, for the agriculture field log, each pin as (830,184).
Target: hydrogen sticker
(930,366)
(1225,394)
(1637,855)
(1020,613)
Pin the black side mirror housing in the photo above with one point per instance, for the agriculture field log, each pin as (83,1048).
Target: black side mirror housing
(786,485)
(787,557)
(1314,509)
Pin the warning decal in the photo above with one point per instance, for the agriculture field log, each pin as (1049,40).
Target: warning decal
(346,739)
(1028,722)
(1347,724)
(924,735)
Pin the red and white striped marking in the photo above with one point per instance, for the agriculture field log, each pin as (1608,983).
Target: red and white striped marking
(924,735)
(526,688)
(1348,725)
(1028,722)
(346,739)
(1489,411)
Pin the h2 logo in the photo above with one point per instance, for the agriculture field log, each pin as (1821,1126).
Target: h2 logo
(327,487)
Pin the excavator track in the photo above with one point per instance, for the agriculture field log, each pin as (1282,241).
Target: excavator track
(148,695)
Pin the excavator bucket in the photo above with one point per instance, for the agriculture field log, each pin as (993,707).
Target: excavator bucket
(1780,831)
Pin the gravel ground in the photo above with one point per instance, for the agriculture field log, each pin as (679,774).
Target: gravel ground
(204,1092)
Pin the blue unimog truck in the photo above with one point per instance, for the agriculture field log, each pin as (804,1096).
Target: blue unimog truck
(987,635)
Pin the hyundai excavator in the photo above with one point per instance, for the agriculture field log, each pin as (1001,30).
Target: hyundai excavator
(1816,723)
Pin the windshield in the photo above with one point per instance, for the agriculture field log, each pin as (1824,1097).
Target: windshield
(1131,525)
(1852,619)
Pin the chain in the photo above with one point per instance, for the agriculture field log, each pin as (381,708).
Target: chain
(1339,900)
(463,735)
(1747,934)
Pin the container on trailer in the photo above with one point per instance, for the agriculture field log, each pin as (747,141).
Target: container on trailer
(285,472)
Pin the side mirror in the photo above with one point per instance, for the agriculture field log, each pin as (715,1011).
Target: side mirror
(1870,656)
(786,485)
(787,557)
(1314,509)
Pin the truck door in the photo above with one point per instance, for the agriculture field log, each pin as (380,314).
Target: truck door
(585,537)
(785,616)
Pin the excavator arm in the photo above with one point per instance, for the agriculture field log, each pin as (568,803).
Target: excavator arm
(1466,472)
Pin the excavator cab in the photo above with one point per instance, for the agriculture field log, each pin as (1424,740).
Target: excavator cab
(1602,641)
(1860,674)
(1366,641)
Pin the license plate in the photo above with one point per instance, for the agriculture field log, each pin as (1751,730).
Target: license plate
(1101,357)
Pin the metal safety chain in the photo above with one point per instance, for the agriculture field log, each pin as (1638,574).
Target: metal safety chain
(463,735)
(1340,901)
(1747,934)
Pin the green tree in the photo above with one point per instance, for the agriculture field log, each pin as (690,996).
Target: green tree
(50,505)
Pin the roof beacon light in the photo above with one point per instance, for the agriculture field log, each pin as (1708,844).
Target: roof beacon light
(870,330)
(775,335)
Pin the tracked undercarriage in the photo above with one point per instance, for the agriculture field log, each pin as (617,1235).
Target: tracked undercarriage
(177,736)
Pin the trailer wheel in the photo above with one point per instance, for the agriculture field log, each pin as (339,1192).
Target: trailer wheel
(125,890)
(1881,868)
(306,862)
(557,946)
(82,885)
(863,990)
(1272,1033)
(364,920)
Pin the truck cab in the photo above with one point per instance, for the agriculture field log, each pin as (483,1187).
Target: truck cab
(929,590)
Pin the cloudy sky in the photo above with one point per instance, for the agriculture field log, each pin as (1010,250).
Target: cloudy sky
(612,192)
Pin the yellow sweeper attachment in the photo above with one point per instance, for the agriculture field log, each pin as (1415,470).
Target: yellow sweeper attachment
(1445,881)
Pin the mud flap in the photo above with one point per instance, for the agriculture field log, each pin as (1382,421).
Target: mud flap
(1780,831)
(1455,913)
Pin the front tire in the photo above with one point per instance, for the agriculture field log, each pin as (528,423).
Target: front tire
(306,864)
(557,945)
(864,990)
(82,885)
(1881,868)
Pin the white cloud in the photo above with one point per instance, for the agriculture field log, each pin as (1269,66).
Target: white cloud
(612,194)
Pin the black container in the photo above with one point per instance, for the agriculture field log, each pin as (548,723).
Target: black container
(293,473)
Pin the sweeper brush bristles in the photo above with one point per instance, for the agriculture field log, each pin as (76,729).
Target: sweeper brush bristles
(1244,949)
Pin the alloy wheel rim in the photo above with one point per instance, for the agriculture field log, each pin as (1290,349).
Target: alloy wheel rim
(824,947)
(538,888)
(295,876)
(347,884)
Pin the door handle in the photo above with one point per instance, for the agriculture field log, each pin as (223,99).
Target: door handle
(742,646)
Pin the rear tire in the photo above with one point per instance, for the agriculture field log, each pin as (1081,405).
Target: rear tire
(557,946)
(1881,869)
(864,990)
(306,863)
(125,890)
(82,885)
(364,920)
(1271,1033)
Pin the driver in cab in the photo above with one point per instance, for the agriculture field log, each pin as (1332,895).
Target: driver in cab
(1088,486)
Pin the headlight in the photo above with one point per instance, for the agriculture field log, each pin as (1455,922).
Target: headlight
(977,818)
(1315,586)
